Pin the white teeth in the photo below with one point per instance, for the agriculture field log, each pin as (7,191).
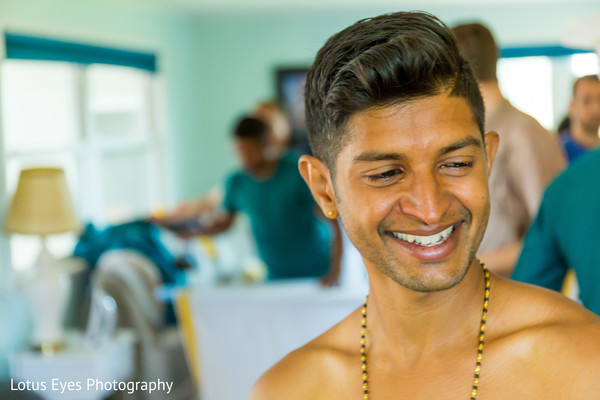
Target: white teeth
(428,241)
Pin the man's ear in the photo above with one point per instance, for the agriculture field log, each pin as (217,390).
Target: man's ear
(318,178)
(491,140)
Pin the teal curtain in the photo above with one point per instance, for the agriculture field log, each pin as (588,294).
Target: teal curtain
(532,51)
(37,48)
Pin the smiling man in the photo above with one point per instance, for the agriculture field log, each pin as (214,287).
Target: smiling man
(396,124)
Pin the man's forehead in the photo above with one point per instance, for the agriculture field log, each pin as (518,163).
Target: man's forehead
(587,87)
(443,101)
(365,130)
(418,119)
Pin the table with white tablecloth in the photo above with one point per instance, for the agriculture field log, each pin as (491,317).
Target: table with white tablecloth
(235,333)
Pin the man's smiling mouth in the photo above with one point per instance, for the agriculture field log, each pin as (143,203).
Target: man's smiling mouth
(426,241)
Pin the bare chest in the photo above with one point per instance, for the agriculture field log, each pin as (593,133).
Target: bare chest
(444,378)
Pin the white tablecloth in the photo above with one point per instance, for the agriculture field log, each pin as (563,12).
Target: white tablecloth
(242,331)
(112,361)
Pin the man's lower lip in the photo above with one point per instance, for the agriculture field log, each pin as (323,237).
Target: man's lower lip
(431,253)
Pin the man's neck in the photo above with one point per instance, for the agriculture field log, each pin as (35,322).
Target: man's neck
(492,96)
(411,324)
(588,139)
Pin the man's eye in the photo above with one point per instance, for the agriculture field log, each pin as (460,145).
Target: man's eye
(456,168)
(457,165)
(385,176)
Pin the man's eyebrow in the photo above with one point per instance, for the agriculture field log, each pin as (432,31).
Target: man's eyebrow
(466,142)
(370,156)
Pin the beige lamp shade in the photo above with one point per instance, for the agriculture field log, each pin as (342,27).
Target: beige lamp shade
(41,204)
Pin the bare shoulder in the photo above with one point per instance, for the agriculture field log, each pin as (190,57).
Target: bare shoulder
(313,371)
(547,334)
(524,308)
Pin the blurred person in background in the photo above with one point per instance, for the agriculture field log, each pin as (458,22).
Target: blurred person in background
(528,157)
(291,237)
(564,234)
(279,133)
(579,130)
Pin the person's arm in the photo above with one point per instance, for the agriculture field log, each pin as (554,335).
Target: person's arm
(190,226)
(335,265)
(200,217)
(188,217)
(221,224)
(197,207)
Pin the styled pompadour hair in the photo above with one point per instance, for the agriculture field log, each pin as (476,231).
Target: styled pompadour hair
(378,62)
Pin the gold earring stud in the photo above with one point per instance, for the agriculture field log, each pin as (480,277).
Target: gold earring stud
(330,213)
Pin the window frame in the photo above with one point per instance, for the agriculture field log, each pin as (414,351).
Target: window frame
(89,154)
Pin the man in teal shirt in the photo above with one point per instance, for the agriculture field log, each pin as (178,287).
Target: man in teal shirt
(565,233)
(291,238)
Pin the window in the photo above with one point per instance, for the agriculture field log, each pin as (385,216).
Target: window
(98,122)
(584,64)
(527,83)
(541,85)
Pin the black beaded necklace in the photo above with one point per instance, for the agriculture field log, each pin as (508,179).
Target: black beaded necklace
(363,340)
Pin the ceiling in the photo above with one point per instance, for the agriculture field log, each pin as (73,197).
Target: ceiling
(583,32)
(262,6)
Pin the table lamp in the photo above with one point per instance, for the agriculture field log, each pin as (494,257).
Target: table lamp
(42,206)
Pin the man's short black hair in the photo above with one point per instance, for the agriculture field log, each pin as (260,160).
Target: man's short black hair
(249,127)
(378,62)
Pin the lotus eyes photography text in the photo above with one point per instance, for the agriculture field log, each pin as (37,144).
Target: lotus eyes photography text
(91,384)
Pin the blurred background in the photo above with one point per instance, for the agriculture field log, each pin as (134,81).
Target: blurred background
(135,100)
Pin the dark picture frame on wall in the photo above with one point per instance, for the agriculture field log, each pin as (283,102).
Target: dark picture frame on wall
(290,95)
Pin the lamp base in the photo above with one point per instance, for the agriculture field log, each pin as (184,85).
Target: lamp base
(48,293)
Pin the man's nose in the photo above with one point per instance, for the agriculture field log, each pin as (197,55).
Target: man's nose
(426,199)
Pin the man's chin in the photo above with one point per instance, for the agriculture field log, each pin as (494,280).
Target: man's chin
(429,284)
(433,277)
